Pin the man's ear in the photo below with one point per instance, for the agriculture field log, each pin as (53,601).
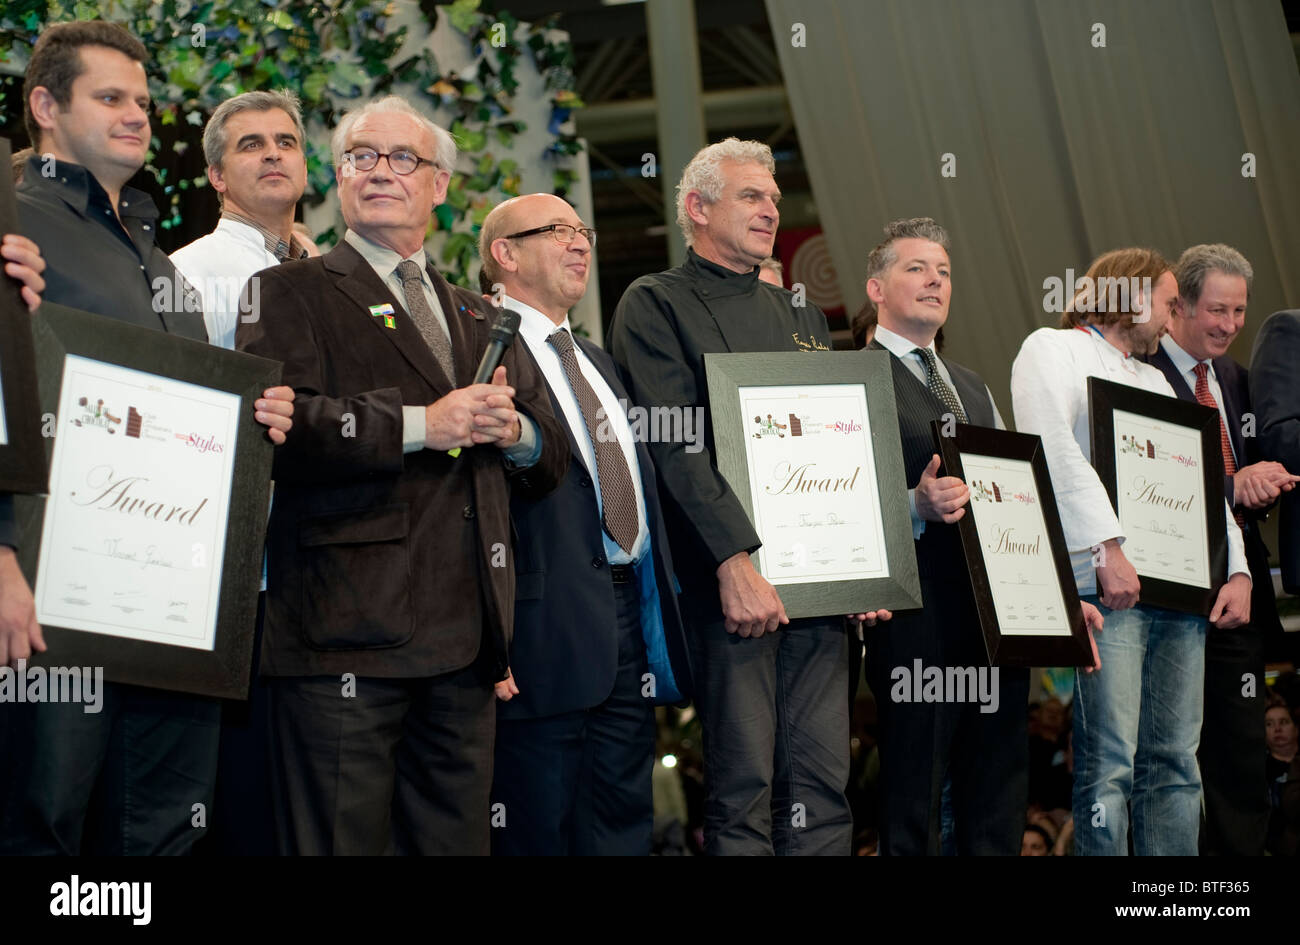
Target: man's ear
(875,291)
(697,209)
(504,254)
(1180,307)
(216,180)
(43,108)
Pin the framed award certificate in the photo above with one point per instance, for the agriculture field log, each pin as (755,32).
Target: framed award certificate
(1015,551)
(810,446)
(146,557)
(22,453)
(1161,462)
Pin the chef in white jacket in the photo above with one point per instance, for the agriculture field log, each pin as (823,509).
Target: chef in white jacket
(253,144)
(254,148)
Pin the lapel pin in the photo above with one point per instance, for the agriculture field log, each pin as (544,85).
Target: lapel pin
(384,311)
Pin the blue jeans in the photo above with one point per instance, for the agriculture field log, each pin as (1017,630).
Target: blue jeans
(1137,724)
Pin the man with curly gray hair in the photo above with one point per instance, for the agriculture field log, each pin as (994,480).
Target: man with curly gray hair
(774,705)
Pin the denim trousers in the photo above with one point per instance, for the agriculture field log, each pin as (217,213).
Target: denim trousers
(1137,723)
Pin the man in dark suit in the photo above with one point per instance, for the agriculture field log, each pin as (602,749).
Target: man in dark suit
(1213,288)
(598,638)
(983,755)
(1276,397)
(391,588)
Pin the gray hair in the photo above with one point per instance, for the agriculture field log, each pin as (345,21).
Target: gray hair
(704,175)
(914,228)
(1197,262)
(214,135)
(444,145)
(772,264)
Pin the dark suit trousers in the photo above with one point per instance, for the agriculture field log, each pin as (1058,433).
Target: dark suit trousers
(401,766)
(1233,748)
(120,782)
(579,783)
(243,817)
(921,743)
(775,717)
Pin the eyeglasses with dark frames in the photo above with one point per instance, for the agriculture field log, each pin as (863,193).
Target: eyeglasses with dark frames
(401,161)
(561,232)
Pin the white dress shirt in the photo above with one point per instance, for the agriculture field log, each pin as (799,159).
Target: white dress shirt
(1049,395)
(1186,365)
(218,265)
(534,329)
(905,351)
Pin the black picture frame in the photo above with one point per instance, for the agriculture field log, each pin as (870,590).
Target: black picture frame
(1104,398)
(224,671)
(1007,649)
(727,373)
(22,460)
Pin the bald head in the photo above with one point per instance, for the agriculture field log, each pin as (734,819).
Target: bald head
(539,269)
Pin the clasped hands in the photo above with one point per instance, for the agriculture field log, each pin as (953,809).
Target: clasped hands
(474,415)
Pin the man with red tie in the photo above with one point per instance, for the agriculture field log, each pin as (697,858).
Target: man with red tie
(1213,288)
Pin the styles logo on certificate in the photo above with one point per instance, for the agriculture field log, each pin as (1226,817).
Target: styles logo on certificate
(1158,479)
(140,482)
(808,448)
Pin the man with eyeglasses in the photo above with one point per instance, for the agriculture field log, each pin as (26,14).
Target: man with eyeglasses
(391,587)
(598,638)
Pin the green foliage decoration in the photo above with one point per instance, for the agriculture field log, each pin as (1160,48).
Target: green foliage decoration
(327,51)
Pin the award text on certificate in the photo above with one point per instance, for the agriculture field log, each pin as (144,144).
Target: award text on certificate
(813,483)
(135,525)
(1159,480)
(1017,549)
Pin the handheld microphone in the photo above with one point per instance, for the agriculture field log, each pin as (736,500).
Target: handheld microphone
(500,338)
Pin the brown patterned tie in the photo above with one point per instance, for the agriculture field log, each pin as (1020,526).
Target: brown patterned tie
(617,494)
(425,320)
(1204,397)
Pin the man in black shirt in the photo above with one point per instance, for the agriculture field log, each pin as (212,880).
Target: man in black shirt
(773,702)
(87,101)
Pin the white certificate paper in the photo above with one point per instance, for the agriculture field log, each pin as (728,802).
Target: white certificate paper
(140,485)
(1008,516)
(1159,479)
(812,476)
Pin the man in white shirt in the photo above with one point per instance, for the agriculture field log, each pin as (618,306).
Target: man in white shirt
(253,144)
(598,639)
(1137,722)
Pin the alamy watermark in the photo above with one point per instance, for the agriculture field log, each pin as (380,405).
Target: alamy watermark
(1107,294)
(919,683)
(82,684)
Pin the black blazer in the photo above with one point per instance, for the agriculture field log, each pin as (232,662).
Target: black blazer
(564,653)
(1234,384)
(1275,393)
(383,563)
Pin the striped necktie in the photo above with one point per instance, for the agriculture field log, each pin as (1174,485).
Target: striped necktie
(1204,397)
